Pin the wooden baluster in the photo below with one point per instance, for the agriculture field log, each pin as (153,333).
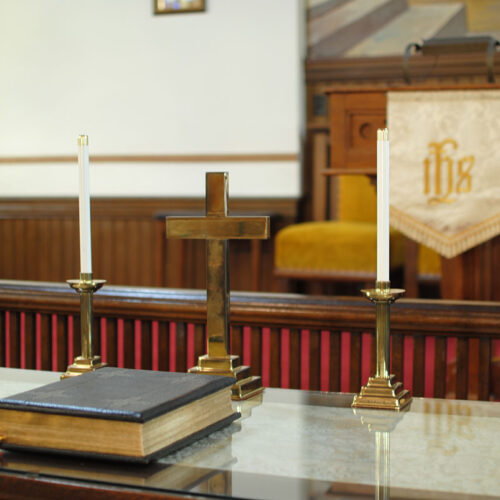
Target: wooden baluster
(440,367)
(180,347)
(335,361)
(294,357)
(200,342)
(146,345)
(255,368)
(355,365)
(484,368)
(314,360)
(29,341)
(398,356)
(418,365)
(462,368)
(275,368)
(236,341)
(14,351)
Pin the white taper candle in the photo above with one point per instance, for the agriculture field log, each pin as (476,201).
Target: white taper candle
(382,205)
(84,204)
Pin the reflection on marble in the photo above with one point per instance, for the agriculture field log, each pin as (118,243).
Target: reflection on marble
(301,445)
(449,443)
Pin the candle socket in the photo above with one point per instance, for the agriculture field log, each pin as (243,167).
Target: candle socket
(382,390)
(86,286)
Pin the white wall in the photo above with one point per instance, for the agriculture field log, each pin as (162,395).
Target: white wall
(225,81)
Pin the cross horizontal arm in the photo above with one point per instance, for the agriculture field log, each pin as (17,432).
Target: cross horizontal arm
(224,228)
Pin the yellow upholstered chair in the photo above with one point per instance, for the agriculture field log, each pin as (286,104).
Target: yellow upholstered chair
(344,249)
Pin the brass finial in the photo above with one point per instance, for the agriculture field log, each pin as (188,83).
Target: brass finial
(83,140)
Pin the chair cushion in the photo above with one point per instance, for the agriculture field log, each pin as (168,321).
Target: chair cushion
(429,262)
(356,199)
(333,246)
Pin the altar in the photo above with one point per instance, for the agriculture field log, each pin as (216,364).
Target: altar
(289,444)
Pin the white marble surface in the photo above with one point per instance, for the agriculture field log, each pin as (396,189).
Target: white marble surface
(303,443)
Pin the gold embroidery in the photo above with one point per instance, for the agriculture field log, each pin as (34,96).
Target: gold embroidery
(442,182)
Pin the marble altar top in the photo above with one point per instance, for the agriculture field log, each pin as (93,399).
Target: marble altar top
(299,444)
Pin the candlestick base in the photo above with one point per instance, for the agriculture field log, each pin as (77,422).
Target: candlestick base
(383,393)
(83,365)
(246,386)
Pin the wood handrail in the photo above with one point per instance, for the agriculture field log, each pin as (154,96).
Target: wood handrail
(408,316)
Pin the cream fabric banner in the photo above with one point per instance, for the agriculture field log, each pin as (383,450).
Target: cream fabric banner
(445,167)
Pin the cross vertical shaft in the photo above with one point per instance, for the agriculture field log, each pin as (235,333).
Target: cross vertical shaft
(217,272)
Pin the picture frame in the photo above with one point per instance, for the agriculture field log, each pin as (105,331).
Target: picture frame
(178,6)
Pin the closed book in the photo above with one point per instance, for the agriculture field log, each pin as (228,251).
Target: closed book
(116,413)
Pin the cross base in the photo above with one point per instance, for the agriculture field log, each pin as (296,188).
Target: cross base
(382,393)
(83,365)
(246,385)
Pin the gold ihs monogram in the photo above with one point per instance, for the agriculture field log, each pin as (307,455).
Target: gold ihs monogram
(444,178)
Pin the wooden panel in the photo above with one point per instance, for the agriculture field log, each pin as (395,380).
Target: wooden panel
(40,241)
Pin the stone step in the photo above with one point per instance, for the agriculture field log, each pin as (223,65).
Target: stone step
(342,27)
(418,23)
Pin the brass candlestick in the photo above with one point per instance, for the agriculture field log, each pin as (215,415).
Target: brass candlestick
(86,286)
(382,391)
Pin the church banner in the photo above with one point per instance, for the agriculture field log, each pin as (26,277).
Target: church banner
(445,167)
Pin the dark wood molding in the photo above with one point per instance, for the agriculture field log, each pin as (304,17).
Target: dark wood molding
(389,70)
(428,317)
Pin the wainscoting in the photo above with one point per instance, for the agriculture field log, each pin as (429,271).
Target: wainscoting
(40,241)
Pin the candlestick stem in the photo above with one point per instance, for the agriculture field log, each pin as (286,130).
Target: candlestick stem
(86,286)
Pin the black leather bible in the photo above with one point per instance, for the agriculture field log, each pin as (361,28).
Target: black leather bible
(116,413)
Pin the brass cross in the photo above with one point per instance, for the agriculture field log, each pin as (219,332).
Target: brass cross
(217,227)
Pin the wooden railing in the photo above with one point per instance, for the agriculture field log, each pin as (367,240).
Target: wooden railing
(439,348)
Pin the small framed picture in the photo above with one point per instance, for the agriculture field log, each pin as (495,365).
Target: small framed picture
(178,6)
